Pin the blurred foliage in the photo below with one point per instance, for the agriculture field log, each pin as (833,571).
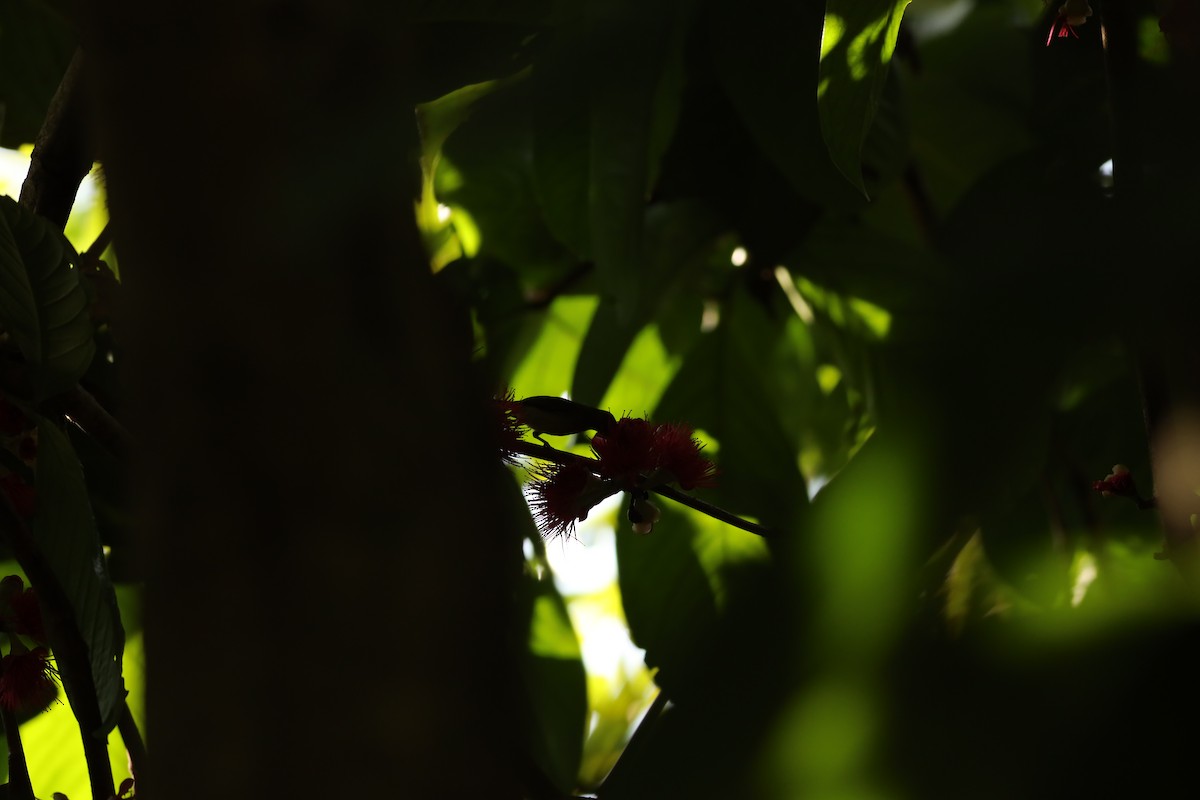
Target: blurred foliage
(868,250)
(873,257)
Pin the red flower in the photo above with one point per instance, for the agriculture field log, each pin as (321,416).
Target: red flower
(20,494)
(564,495)
(505,426)
(677,453)
(626,450)
(1070,14)
(27,681)
(637,453)
(1118,482)
(27,614)
(19,609)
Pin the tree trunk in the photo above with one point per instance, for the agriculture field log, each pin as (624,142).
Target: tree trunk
(327,594)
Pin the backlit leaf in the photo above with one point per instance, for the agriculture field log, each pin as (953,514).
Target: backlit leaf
(857,42)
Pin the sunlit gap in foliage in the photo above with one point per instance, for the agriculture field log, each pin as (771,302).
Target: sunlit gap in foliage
(620,687)
(13,166)
(738,257)
(711,317)
(89,214)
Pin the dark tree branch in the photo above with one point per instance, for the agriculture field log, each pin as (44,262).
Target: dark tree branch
(70,650)
(19,786)
(62,154)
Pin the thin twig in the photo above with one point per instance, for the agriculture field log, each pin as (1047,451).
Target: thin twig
(134,746)
(547,453)
(103,240)
(713,511)
(70,650)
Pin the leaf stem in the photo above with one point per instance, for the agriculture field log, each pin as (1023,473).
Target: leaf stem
(134,746)
(547,453)
(715,512)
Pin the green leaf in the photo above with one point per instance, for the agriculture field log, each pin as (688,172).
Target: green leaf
(720,389)
(556,684)
(971,108)
(550,661)
(676,583)
(677,237)
(850,258)
(765,54)
(439,118)
(600,131)
(550,358)
(35,49)
(42,300)
(491,153)
(857,42)
(65,531)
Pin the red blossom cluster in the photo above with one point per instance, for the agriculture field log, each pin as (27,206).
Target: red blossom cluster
(640,454)
(27,681)
(1070,14)
(27,677)
(563,494)
(1118,482)
(632,455)
(505,426)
